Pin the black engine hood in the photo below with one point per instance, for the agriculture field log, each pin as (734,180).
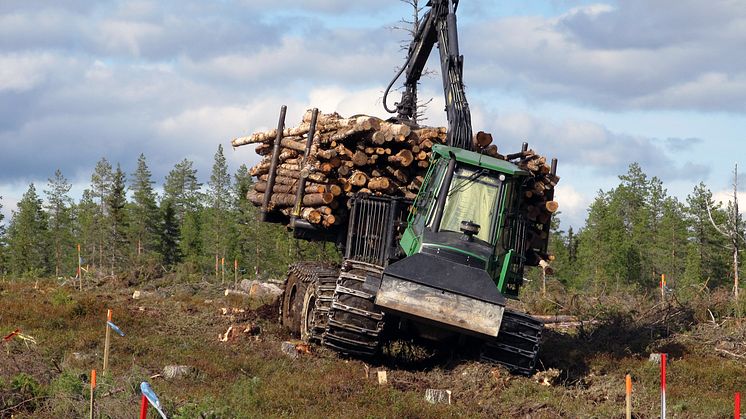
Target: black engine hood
(443,274)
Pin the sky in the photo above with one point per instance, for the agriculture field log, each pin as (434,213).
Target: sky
(598,85)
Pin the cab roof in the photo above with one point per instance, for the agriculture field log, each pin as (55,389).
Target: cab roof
(480,160)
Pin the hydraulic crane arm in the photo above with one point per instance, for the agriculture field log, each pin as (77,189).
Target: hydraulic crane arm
(438,26)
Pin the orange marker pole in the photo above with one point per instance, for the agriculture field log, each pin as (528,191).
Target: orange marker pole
(235,273)
(222,273)
(107,342)
(628,385)
(93,387)
(663,287)
(143,407)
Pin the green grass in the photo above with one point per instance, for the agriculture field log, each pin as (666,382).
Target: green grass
(178,324)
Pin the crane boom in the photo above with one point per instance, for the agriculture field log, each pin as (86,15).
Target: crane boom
(438,26)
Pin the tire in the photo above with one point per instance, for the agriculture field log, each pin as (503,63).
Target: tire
(292,303)
(307,314)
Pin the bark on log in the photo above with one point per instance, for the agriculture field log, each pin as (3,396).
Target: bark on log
(311,215)
(279,200)
(314,177)
(266,136)
(365,154)
(280,188)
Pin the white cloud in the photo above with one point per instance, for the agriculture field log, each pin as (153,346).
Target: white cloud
(658,54)
(21,72)
(125,36)
(725,196)
(573,204)
(590,145)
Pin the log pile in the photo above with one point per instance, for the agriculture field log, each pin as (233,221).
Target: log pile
(539,204)
(347,156)
(364,154)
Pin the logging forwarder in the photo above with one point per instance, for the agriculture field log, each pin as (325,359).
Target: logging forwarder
(438,267)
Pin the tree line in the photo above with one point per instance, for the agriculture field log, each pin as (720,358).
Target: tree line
(636,231)
(123,225)
(633,233)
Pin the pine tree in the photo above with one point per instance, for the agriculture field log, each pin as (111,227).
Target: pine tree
(671,243)
(218,234)
(101,184)
(116,221)
(601,242)
(28,236)
(712,258)
(247,226)
(182,192)
(86,228)
(59,208)
(614,246)
(183,189)
(144,215)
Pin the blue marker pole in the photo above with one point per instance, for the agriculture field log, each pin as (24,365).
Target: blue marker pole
(107,342)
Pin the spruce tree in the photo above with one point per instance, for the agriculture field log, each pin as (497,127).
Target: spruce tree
(59,209)
(190,239)
(116,221)
(28,236)
(169,235)
(144,215)
(101,184)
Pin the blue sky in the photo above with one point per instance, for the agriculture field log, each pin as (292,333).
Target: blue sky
(596,84)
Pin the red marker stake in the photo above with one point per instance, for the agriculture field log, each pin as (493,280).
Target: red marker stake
(737,409)
(143,407)
(663,386)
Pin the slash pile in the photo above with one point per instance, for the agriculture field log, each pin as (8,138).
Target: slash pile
(360,154)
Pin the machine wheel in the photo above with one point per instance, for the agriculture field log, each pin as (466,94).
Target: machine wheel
(292,301)
(307,298)
(307,314)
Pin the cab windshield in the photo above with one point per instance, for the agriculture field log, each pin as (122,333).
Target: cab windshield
(473,196)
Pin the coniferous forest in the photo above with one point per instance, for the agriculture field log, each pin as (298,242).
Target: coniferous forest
(125,228)
(633,233)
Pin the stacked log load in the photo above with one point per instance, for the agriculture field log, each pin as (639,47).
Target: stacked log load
(364,154)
